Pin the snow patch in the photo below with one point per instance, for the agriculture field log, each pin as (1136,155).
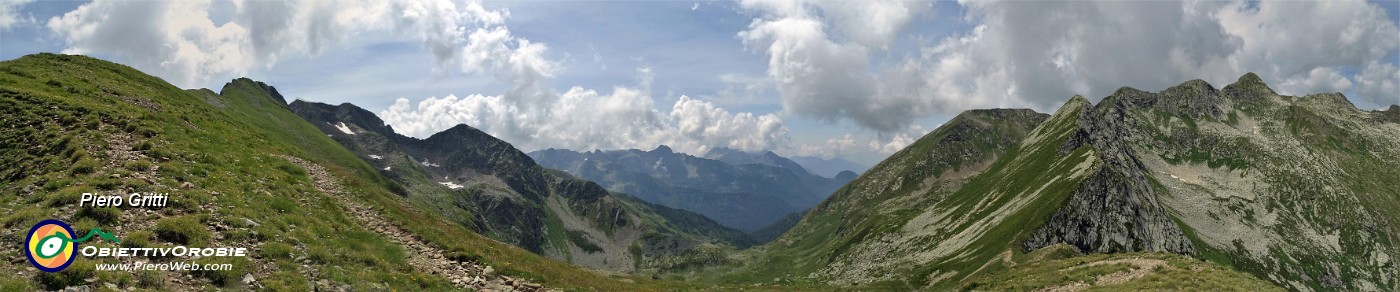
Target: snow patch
(451,185)
(343,128)
(376,157)
(386,168)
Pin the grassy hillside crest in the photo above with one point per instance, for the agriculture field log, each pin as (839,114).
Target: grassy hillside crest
(76,124)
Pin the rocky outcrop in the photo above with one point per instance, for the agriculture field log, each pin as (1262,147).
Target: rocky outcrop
(1391,115)
(1116,208)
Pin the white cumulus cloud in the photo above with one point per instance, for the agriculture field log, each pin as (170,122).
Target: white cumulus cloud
(9,13)
(1037,54)
(585,119)
(819,57)
(178,41)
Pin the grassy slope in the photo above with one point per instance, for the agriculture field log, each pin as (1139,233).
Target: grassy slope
(1046,269)
(848,222)
(63,113)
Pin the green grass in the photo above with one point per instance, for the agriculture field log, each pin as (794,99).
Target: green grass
(853,216)
(183,230)
(61,113)
(1158,272)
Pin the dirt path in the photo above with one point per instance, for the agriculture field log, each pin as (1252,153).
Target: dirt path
(424,256)
(1144,267)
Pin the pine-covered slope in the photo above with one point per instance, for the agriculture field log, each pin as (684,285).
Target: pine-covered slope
(487,184)
(241,171)
(1295,190)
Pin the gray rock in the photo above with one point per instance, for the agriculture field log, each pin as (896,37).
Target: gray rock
(1115,209)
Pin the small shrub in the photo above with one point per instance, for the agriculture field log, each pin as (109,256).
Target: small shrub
(143,146)
(158,153)
(86,165)
(74,275)
(106,216)
(54,185)
(223,277)
(149,280)
(137,239)
(182,230)
(15,284)
(138,165)
(146,132)
(23,216)
(66,196)
(277,250)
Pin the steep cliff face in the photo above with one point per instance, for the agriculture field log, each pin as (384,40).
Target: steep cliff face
(1116,208)
(487,184)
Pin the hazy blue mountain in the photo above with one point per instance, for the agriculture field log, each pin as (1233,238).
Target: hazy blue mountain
(829,167)
(746,196)
(739,157)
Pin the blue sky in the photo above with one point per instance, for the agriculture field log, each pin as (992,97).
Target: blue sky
(851,79)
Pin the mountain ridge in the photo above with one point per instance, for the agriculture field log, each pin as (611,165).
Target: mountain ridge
(1139,171)
(500,191)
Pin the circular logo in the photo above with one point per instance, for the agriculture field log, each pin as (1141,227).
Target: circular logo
(50,245)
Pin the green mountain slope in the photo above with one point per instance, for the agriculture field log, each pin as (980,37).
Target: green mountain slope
(241,171)
(487,184)
(926,207)
(1062,268)
(1295,190)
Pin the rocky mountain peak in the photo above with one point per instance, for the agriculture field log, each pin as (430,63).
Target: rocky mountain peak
(1248,86)
(1192,87)
(1075,104)
(1195,98)
(846,175)
(251,85)
(662,149)
(325,114)
(1390,115)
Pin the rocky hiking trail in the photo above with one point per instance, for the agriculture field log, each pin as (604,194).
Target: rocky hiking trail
(422,255)
(1142,267)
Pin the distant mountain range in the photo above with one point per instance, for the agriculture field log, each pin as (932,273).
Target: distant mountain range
(832,168)
(829,167)
(746,191)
